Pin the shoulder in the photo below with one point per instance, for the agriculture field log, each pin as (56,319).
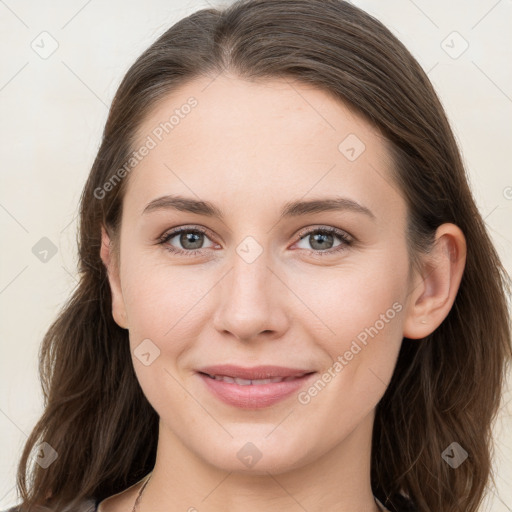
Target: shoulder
(89,505)
(84,506)
(119,502)
(122,501)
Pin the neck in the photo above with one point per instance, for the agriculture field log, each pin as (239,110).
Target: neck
(339,480)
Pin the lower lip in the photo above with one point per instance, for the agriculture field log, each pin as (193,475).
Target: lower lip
(254,396)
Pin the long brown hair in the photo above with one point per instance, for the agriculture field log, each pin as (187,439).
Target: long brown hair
(446,388)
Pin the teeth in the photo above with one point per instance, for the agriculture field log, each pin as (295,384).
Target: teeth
(225,379)
(255,382)
(243,382)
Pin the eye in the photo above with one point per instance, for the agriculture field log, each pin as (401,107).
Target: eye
(191,239)
(323,239)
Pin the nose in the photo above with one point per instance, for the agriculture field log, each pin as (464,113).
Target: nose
(252,301)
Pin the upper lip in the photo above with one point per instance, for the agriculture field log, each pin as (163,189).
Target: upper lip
(253,373)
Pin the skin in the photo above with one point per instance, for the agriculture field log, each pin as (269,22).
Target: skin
(249,148)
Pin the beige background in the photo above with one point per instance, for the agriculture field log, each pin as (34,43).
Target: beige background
(52,114)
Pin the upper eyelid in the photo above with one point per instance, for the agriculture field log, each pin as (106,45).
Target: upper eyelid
(329,229)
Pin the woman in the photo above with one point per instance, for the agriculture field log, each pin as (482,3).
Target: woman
(336,335)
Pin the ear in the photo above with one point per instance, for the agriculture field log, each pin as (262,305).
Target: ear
(433,291)
(109,260)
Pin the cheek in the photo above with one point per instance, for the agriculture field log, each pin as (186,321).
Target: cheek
(364,346)
(359,310)
(355,298)
(362,356)
(164,303)
(153,292)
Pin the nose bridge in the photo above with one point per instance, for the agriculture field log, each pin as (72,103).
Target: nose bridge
(250,302)
(250,274)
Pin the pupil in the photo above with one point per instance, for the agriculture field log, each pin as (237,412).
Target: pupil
(194,238)
(320,238)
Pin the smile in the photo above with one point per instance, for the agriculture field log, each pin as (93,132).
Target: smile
(265,388)
(251,382)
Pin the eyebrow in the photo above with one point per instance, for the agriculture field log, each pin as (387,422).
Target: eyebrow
(290,209)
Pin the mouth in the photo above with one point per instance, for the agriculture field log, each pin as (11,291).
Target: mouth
(253,388)
(251,382)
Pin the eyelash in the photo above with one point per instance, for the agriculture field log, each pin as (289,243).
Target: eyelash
(346,240)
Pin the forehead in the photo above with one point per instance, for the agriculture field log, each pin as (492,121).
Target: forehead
(237,140)
(229,107)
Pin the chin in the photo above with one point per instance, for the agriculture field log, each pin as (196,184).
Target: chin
(255,455)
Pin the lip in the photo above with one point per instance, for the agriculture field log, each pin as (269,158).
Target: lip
(254,372)
(254,396)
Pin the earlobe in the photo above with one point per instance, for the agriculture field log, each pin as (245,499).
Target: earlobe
(109,260)
(432,294)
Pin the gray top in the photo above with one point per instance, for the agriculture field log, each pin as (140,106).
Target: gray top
(85,506)
(92,506)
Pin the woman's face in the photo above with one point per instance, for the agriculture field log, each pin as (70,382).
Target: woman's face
(255,287)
